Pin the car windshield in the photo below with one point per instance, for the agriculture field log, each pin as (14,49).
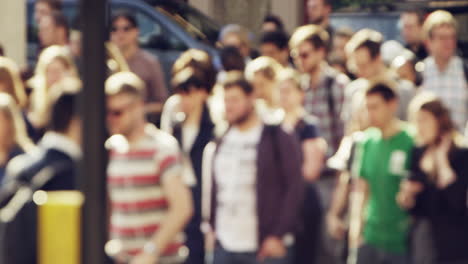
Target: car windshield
(190,19)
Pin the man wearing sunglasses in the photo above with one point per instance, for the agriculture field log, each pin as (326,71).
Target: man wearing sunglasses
(150,204)
(324,98)
(124,34)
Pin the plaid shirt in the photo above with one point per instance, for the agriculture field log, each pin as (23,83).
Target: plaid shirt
(450,86)
(316,100)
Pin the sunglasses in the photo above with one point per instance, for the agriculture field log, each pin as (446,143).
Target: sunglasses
(119,112)
(124,29)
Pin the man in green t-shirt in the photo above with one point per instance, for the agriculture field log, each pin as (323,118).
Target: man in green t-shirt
(383,159)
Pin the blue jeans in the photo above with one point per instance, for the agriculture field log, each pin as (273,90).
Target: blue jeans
(222,256)
(368,254)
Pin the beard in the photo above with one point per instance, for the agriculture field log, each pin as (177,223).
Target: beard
(242,118)
(317,21)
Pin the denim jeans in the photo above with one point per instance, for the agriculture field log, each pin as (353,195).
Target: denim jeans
(222,256)
(368,254)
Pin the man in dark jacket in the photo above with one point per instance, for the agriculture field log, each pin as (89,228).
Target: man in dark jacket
(52,168)
(257,185)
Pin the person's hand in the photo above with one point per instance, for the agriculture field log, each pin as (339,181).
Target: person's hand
(336,227)
(272,247)
(144,258)
(407,195)
(442,149)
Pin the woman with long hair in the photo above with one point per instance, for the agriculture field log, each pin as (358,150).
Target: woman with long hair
(54,64)
(438,182)
(297,121)
(13,136)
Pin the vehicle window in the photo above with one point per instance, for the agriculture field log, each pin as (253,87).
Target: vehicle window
(152,34)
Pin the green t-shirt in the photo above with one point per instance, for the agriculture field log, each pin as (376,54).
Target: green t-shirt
(384,163)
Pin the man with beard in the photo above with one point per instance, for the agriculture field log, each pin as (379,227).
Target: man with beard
(256,187)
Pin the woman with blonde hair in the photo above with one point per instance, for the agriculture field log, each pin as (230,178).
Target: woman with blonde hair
(13,135)
(263,74)
(296,121)
(438,181)
(54,64)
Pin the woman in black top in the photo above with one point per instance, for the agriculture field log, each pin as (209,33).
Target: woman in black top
(438,183)
(313,148)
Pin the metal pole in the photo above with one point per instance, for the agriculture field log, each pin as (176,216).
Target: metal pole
(93,169)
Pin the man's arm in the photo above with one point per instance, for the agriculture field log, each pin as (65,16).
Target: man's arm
(359,197)
(335,224)
(180,211)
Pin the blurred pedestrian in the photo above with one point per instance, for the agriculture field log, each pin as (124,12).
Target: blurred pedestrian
(124,34)
(262,163)
(193,132)
(318,13)
(364,54)
(304,126)
(53,30)
(237,36)
(54,64)
(263,73)
(149,202)
(272,23)
(274,44)
(384,159)
(438,183)
(52,168)
(444,72)
(411,30)
(44,8)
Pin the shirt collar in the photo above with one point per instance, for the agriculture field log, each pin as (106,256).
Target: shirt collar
(57,141)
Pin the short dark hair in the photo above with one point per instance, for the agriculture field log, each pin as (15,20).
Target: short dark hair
(236,79)
(125,14)
(189,79)
(2,52)
(55,5)
(278,38)
(419,14)
(366,38)
(385,90)
(232,59)
(60,20)
(275,20)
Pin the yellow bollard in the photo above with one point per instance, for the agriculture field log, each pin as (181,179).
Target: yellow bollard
(59,226)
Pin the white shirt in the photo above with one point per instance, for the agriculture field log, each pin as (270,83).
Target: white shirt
(236,177)
(54,140)
(450,85)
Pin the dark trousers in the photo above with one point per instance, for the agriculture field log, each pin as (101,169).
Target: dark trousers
(368,254)
(308,236)
(195,239)
(222,256)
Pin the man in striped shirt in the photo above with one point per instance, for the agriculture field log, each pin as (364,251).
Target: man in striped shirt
(150,204)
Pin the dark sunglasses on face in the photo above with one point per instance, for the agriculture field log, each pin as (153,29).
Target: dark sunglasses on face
(124,29)
(119,112)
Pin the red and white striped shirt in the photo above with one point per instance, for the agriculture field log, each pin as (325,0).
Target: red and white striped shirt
(134,179)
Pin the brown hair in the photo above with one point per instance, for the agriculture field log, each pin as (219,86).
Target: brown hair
(441,114)
(197,59)
(313,34)
(365,38)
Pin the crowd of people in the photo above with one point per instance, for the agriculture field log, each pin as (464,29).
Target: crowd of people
(326,146)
